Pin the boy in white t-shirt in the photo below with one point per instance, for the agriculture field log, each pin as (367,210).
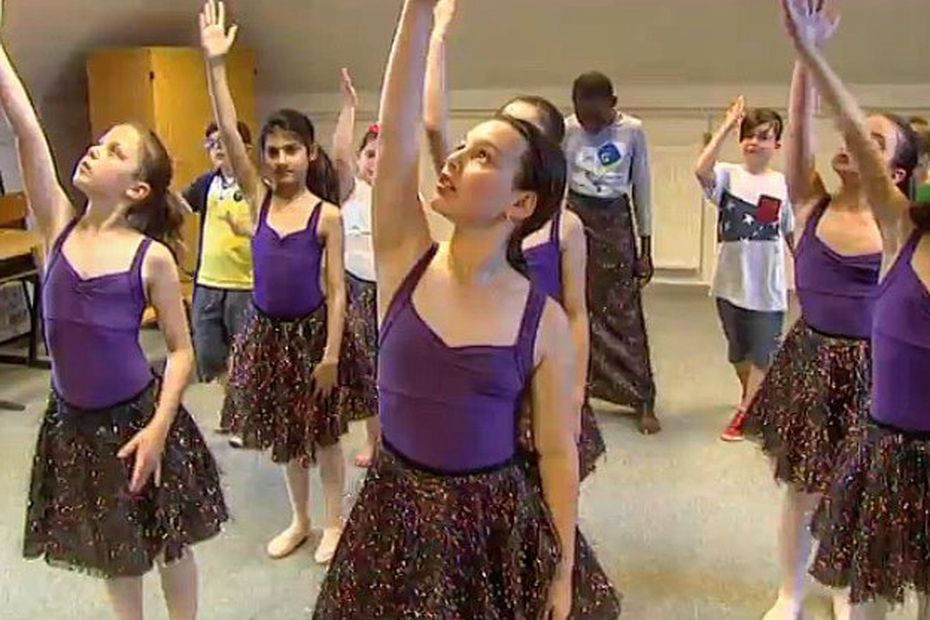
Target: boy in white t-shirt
(754,220)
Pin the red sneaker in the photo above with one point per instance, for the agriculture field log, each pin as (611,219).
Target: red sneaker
(734,430)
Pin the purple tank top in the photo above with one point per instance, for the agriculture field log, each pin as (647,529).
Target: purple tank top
(545,262)
(837,292)
(92,328)
(451,409)
(287,269)
(901,347)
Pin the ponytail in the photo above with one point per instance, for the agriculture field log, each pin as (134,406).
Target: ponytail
(160,215)
(515,250)
(322,178)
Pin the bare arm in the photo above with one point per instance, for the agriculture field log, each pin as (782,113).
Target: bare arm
(400,230)
(436,105)
(343,155)
(889,205)
(805,186)
(704,167)
(163,288)
(552,389)
(335,282)
(47,200)
(574,265)
(216,43)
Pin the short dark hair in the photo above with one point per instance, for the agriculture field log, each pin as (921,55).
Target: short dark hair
(244,132)
(756,117)
(593,84)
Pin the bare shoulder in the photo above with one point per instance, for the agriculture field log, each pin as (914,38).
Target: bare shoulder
(571,225)
(330,215)
(159,259)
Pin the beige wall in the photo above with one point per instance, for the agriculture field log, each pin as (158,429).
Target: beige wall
(675,118)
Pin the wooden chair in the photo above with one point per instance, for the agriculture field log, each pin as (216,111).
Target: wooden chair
(25,269)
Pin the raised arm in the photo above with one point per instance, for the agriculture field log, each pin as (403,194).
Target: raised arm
(704,167)
(400,230)
(805,186)
(47,200)
(552,397)
(436,106)
(216,42)
(889,205)
(344,158)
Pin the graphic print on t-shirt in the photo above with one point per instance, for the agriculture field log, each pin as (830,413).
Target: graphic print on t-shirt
(743,221)
(597,163)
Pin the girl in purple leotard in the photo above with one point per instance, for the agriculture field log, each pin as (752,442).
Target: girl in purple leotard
(872,522)
(122,479)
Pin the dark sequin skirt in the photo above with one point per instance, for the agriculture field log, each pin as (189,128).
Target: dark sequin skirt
(874,523)
(591,446)
(360,358)
(813,400)
(621,369)
(81,515)
(271,388)
(420,544)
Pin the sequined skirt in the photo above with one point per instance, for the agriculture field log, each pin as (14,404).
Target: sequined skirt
(814,399)
(419,544)
(621,369)
(80,513)
(874,523)
(271,388)
(360,359)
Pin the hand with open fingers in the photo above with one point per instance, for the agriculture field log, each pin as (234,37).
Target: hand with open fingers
(443,15)
(810,23)
(324,378)
(147,446)
(559,603)
(349,96)
(215,39)
(736,112)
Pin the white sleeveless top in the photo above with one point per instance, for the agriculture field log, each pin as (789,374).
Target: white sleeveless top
(356,219)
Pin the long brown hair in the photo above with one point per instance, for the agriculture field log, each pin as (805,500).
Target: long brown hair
(160,214)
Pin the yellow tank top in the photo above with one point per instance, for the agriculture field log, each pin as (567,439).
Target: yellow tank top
(225,257)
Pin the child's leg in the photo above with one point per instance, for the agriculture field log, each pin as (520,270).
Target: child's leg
(742,373)
(125,594)
(373,436)
(794,547)
(753,383)
(333,476)
(298,490)
(179,585)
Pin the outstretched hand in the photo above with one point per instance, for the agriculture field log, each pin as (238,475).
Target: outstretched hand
(736,112)
(809,23)
(443,15)
(349,96)
(215,39)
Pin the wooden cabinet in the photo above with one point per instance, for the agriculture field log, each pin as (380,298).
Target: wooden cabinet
(165,89)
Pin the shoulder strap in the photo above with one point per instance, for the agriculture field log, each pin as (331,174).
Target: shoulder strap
(59,243)
(554,231)
(407,286)
(135,270)
(529,328)
(315,217)
(263,210)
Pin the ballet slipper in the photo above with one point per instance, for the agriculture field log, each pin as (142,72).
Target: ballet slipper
(328,544)
(288,541)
